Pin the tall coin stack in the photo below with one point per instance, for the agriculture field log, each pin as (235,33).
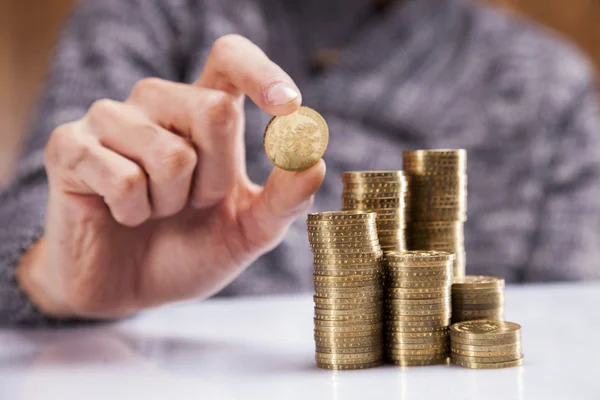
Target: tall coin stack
(348,289)
(417,307)
(437,202)
(383,192)
(486,344)
(477,297)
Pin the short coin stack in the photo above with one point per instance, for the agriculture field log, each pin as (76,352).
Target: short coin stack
(486,344)
(417,307)
(437,202)
(348,289)
(383,192)
(477,297)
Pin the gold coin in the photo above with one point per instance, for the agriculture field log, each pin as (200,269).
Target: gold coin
(401,283)
(503,353)
(371,244)
(349,358)
(356,280)
(433,351)
(343,320)
(435,275)
(348,350)
(347,251)
(414,329)
(399,324)
(498,359)
(356,342)
(347,271)
(485,329)
(333,334)
(491,365)
(486,342)
(364,229)
(419,255)
(412,302)
(434,346)
(478,281)
(416,363)
(478,313)
(372,174)
(340,215)
(297,141)
(432,341)
(371,306)
(374,327)
(348,366)
(493,349)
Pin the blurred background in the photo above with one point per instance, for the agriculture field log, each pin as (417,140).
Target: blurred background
(29,29)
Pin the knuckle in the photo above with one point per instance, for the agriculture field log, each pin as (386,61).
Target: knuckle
(56,144)
(146,87)
(176,160)
(65,149)
(223,109)
(102,108)
(227,43)
(127,183)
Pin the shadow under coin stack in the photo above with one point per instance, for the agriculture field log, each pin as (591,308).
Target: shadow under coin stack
(417,307)
(348,289)
(437,202)
(485,344)
(477,297)
(383,192)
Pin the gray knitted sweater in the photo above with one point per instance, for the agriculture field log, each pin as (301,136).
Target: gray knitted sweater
(424,74)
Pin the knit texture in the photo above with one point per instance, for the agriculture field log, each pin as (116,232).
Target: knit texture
(426,74)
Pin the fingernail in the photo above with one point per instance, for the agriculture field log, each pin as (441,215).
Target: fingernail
(282,93)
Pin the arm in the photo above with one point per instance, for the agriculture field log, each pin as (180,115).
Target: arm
(106,47)
(566,245)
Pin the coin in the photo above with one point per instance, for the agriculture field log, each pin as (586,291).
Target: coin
(296,141)
(485,329)
(349,350)
(350,357)
(478,281)
(336,334)
(416,363)
(491,365)
(334,366)
(487,342)
(486,349)
(497,359)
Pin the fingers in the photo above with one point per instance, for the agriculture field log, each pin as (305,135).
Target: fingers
(212,120)
(78,163)
(284,197)
(238,66)
(168,159)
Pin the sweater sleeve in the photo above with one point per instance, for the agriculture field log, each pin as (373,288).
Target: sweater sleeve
(106,47)
(566,244)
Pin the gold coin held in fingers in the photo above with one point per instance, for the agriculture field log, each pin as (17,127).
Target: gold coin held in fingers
(297,141)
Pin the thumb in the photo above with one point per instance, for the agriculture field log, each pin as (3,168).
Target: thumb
(284,197)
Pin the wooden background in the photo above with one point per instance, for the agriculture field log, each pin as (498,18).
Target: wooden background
(28,29)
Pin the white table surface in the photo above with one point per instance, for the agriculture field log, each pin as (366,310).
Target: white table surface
(262,348)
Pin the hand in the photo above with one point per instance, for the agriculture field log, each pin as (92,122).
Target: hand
(149,199)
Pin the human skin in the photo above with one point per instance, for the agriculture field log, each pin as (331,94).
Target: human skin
(149,200)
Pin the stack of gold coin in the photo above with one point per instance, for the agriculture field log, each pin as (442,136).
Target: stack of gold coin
(383,192)
(486,344)
(417,307)
(437,202)
(348,283)
(477,297)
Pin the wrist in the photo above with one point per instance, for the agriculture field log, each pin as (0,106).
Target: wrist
(33,278)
